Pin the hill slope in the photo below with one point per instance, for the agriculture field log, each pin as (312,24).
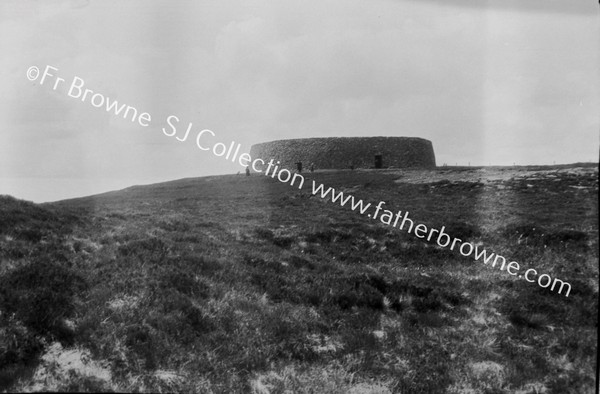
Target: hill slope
(234,284)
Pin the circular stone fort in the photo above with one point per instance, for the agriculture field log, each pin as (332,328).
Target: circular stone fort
(348,152)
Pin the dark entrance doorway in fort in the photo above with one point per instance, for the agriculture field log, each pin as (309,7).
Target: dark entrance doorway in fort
(378,161)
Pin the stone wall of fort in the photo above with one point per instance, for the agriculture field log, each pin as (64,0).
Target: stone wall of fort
(344,152)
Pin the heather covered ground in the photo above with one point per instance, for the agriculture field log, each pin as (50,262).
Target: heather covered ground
(245,284)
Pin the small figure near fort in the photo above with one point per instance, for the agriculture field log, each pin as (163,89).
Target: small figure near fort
(299,166)
(247,170)
(312,167)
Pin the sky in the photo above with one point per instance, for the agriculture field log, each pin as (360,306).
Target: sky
(488,82)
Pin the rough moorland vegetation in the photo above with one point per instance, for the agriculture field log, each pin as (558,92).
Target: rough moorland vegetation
(245,284)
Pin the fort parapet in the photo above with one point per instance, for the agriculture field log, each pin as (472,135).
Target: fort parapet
(348,152)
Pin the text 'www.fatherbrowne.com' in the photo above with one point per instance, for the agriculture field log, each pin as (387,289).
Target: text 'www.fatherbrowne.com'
(444,240)
(205,141)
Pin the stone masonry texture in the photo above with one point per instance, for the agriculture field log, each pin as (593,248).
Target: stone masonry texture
(344,152)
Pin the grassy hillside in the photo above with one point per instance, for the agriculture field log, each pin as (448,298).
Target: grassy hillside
(245,284)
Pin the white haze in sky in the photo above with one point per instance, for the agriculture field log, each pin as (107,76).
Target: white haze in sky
(488,82)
